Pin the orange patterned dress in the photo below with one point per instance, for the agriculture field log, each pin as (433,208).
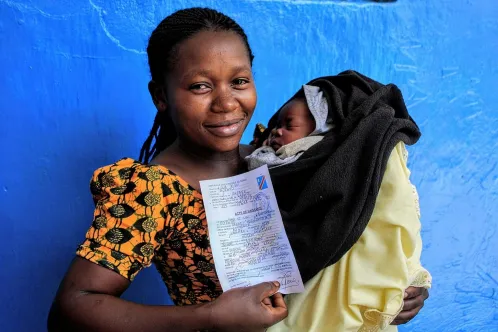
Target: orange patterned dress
(148,214)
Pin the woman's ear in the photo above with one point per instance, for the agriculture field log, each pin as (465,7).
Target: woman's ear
(158,96)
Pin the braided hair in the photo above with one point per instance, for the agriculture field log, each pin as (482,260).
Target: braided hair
(162,52)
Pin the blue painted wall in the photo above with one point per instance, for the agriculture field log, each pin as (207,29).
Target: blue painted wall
(73,89)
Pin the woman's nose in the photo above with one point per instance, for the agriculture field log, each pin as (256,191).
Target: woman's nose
(225,102)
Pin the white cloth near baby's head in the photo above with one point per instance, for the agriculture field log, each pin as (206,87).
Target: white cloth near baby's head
(287,154)
(317,103)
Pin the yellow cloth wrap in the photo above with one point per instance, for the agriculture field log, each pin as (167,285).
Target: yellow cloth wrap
(364,290)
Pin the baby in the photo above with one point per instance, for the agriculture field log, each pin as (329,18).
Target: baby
(301,123)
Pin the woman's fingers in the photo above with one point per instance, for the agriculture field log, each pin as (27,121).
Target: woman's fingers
(406,316)
(413,292)
(267,301)
(278,301)
(413,303)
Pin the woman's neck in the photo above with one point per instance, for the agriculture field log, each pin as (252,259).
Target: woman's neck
(201,154)
(195,164)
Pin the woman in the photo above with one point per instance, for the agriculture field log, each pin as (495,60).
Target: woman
(152,211)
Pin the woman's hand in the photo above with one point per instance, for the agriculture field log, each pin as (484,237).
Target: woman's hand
(248,309)
(414,302)
(88,300)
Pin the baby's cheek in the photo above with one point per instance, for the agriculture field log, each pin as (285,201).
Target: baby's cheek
(286,139)
(289,138)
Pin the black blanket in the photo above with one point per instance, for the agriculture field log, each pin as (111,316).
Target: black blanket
(327,196)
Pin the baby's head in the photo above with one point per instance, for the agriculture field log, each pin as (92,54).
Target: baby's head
(304,115)
(294,122)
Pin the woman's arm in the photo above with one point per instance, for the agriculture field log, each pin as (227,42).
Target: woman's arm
(88,300)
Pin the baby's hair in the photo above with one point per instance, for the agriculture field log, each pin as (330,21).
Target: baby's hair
(162,54)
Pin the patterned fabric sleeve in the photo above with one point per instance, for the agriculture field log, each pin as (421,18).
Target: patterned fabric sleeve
(129,211)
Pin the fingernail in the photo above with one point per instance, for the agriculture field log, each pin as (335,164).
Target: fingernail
(406,295)
(276,283)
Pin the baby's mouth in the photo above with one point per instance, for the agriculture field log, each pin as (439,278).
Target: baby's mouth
(275,145)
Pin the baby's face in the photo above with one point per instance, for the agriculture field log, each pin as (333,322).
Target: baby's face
(295,121)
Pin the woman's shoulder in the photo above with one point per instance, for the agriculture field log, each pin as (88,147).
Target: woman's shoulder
(128,176)
(124,170)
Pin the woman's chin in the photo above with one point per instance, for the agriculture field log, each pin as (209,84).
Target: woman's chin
(227,144)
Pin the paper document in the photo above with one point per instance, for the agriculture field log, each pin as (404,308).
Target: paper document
(247,235)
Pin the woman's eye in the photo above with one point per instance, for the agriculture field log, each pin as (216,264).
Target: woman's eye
(240,81)
(199,87)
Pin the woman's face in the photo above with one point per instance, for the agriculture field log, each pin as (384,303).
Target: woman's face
(210,93)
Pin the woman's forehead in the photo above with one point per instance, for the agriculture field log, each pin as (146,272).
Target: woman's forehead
(211,53)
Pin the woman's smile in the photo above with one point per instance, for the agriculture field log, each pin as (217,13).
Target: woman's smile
(225,128)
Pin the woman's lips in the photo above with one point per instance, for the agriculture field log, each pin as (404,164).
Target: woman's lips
(225,128)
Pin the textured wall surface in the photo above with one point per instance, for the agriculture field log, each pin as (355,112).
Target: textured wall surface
(73,91)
